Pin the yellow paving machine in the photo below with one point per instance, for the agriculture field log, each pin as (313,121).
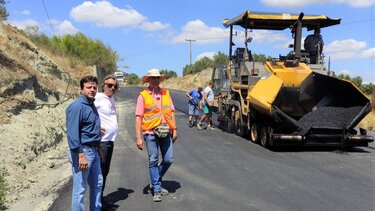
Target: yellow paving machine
(292,99)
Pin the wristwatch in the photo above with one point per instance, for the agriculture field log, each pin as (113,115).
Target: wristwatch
(175,128)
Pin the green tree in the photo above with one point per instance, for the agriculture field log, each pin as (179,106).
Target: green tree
(188,69)
(133,79)
(41,40)
(260,57)
(168,73)
(220,58)
(3,11)
(92,52)
(357,81)
(365,88)
(344,76)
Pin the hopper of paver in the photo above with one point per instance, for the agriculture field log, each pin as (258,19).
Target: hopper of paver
(322,109)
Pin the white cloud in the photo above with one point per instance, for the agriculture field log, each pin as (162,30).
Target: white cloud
(345,45)
(24,23)
(267,36)
(206,54)
(304,3)
(369,53)
(103,13)
(360,3)
(25,12)
(349,49)
(197,30)
(344,72)
(64,27)
(153,26)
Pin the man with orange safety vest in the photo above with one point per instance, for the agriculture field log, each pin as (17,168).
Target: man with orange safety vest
(156,122)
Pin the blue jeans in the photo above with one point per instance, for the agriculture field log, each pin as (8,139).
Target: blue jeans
(92,177)
(157,171)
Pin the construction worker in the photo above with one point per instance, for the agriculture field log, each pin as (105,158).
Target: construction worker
(194,104)
(314,46)
(156,122)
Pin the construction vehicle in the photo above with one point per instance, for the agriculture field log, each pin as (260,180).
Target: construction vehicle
(290,99)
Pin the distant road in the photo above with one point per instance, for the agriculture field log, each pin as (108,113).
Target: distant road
(214,170)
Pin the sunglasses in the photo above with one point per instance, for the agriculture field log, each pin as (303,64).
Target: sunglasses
(111,86)
(155,77)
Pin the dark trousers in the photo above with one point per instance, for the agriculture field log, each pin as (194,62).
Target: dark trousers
(105,151)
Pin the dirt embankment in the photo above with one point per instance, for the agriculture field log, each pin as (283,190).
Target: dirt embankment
(189,81)
(34,93)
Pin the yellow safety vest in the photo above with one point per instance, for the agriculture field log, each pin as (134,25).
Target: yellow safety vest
(153,115)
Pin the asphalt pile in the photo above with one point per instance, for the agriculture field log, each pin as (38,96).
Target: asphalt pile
(329,117)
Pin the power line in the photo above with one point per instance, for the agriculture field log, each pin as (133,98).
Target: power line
(49,20)
(64,64)
(359,21)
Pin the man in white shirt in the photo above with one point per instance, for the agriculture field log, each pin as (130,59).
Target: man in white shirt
(208,101)
(105,104)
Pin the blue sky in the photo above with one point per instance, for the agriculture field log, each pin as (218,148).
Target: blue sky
(152,34)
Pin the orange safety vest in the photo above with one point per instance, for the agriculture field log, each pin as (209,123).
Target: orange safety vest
(153,115)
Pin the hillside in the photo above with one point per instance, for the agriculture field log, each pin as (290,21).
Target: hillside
(35,90)
(189,81)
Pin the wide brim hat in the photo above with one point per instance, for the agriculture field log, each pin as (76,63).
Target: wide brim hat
(152,73)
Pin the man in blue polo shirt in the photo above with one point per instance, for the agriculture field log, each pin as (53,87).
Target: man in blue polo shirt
(194,104)
(84,134)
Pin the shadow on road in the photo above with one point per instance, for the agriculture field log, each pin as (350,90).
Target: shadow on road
(119,195)
(171,186)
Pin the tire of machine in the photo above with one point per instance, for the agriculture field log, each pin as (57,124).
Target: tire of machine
(264,137)
(239,130)
(254,133)
(230,127)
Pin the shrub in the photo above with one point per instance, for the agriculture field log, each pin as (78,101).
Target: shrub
(3,189)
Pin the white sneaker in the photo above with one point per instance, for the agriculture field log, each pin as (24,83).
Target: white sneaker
(164,191)
(156,197)
(199,126)
(209,127)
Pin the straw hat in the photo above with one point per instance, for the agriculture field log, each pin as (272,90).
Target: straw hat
(152,73)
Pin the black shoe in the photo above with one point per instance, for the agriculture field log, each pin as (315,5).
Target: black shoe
(108,206)
(191,124)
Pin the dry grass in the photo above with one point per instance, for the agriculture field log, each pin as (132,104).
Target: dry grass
(368,122)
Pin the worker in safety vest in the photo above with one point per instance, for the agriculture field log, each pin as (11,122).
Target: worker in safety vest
(156,122)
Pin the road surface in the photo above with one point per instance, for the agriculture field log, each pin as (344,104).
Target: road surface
(214,170)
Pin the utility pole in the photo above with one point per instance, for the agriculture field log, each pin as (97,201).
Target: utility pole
(189,40)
